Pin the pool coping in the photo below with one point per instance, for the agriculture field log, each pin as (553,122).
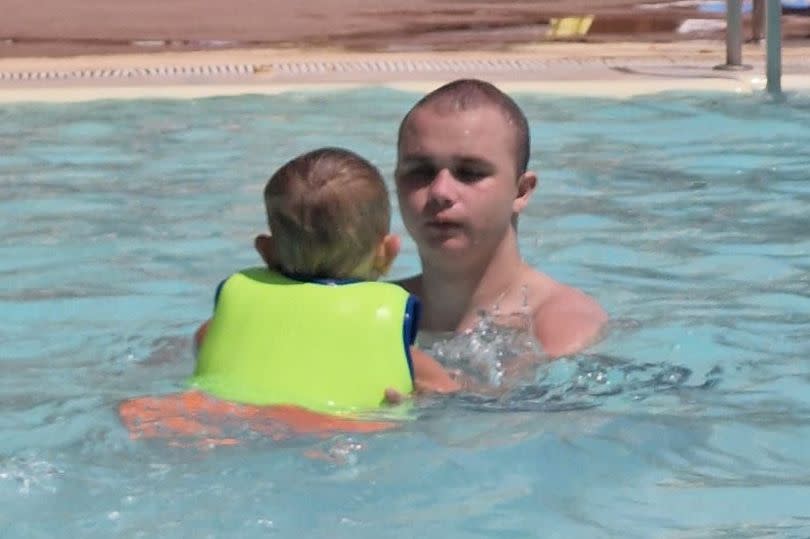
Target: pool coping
(566,68)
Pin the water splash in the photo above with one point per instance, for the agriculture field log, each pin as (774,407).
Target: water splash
(495,351)
(510,371)
(29,473)
(492,352)
(588,381)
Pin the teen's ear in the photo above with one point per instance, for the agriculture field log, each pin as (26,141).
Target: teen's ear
(527,182)
(266,247)
(387,251)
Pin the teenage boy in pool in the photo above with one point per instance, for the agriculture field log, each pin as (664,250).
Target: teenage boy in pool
(462,181)
(283,335)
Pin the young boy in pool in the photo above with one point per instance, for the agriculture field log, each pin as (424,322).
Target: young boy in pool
(316,330)
(462,181)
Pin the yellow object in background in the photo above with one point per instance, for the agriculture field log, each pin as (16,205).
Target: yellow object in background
(569,27)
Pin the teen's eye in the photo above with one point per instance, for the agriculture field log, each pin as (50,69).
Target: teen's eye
(418,173)
(469,174)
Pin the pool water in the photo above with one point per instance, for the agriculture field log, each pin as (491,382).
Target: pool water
(685,215)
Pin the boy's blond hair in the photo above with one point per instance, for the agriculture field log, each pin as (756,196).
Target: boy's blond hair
(327,210)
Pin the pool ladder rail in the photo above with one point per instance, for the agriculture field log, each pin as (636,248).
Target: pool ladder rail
(773,42)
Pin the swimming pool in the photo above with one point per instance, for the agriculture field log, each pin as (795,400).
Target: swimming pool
(685,215)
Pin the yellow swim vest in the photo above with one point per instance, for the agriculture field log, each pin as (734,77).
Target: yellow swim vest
(328,347)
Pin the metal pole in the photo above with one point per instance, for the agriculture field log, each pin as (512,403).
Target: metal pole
(734,37)
(757,20)
(774,46)
(734,32)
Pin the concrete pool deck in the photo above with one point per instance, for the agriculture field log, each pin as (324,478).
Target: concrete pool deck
(572,68)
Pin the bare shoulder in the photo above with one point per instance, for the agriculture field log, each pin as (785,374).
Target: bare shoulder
(411,284)
(567,319)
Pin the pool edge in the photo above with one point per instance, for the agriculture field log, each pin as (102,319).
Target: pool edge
(614,70)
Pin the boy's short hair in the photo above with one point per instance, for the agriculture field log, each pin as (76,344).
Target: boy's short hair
(467,94)
(327,209)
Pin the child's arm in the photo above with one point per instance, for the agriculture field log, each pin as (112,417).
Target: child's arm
(429,376)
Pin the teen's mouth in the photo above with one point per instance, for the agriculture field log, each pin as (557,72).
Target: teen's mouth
(442,226)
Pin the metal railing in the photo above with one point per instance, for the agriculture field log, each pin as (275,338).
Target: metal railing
(773,17)
(773,46)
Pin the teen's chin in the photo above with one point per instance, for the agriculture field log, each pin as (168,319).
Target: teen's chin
(445,237)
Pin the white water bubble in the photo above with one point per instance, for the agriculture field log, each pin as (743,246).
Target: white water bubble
(487,351)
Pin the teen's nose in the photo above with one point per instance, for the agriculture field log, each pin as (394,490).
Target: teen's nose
(442,187)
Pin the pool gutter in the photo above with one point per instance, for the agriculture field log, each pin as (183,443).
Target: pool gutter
(622,70)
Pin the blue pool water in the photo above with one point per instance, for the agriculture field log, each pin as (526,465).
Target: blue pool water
(686,216)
